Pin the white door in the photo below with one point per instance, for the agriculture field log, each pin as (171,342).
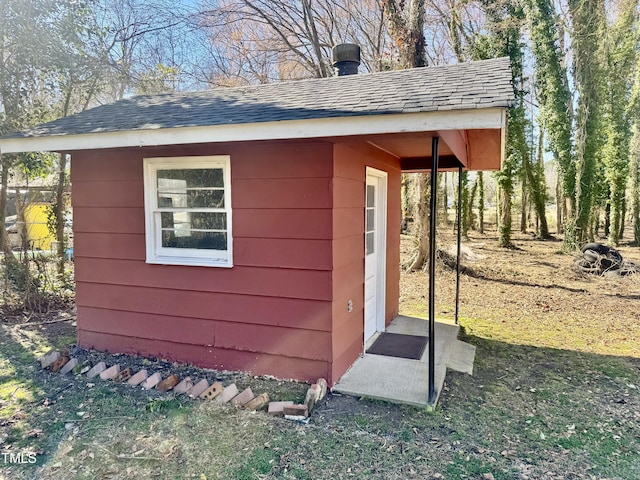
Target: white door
(375,252)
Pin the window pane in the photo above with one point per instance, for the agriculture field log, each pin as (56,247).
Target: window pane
(194,220)
(190,178)
(371,196)
(197,240)
(370,219)
(191,199)
(370,242)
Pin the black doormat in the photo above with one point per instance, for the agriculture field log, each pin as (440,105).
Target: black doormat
(398,345)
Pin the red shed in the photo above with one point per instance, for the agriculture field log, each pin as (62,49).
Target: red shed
(257,228)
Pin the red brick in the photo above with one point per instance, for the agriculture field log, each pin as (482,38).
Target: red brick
(313,395)
(258,402)
(296,410)
(123,376)
(212,392)
(59,363)
(228,393)
(276,408)
(183,386)
(243,397)
(96,370)
(110,372)
(138,378)
(71,364)
(198,388)
(168,383)
(152,381)
(49,358)
(323,387)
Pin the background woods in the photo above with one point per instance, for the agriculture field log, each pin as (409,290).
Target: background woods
(573,136)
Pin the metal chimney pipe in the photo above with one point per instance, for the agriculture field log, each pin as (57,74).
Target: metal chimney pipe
(346,59)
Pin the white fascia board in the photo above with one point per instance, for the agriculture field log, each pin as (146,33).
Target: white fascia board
(288,129)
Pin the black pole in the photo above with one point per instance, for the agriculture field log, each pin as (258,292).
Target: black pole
(459,215)
(432,269)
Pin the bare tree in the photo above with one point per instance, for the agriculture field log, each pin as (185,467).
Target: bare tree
(258,41)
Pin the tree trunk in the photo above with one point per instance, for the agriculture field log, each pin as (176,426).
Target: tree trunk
(465,205)
(634,168)
(444,199)
(480,202)
(59,214)
(559,205)
(408,33)
(607,220)
(24,278)
(472,199)
(498,193)
(406,208)
(594,224)
(12,268)
(523,207)
(588,18)
(421,221)
(504,234)
(4,180)
(622,217)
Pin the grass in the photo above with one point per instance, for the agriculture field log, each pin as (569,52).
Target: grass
(527,411)
(555,394)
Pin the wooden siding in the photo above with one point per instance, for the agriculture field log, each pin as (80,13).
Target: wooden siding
(292,313)
(270,313)
(350,162)
(298,232)
(206,356)
(270,282)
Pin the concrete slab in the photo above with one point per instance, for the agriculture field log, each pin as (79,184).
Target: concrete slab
(392,379)
(406,381)
(462,357)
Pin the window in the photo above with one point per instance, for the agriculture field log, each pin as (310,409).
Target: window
(370,227)
(188,210)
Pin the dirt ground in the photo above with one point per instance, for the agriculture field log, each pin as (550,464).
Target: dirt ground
(533,280)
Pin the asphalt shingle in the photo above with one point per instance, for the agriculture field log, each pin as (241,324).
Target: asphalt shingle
(474,85)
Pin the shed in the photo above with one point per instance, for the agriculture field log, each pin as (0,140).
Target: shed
(257,228)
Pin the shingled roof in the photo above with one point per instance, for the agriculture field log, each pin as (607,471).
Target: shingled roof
(464,86)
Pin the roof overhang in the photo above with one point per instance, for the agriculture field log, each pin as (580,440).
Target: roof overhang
(459,129)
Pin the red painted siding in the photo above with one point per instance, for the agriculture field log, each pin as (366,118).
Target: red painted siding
(298,231)
(270,313)
(350,162)
(292,313)
(270,282)
(207,356)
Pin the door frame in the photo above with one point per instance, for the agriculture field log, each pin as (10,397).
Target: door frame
(380,245)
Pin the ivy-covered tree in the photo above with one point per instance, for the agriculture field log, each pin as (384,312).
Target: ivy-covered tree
(587,29)
(480,202)
(633,113)
(621,52)
(634,177)
(504,20)
(553,94)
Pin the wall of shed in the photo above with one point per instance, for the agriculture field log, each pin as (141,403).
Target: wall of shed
(349,166)
(270,313)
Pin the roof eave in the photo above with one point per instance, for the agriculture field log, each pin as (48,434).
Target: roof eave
(481,118)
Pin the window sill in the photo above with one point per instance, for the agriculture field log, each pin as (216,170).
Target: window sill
(190,262)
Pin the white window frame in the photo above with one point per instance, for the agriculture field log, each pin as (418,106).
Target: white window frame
(158,254)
